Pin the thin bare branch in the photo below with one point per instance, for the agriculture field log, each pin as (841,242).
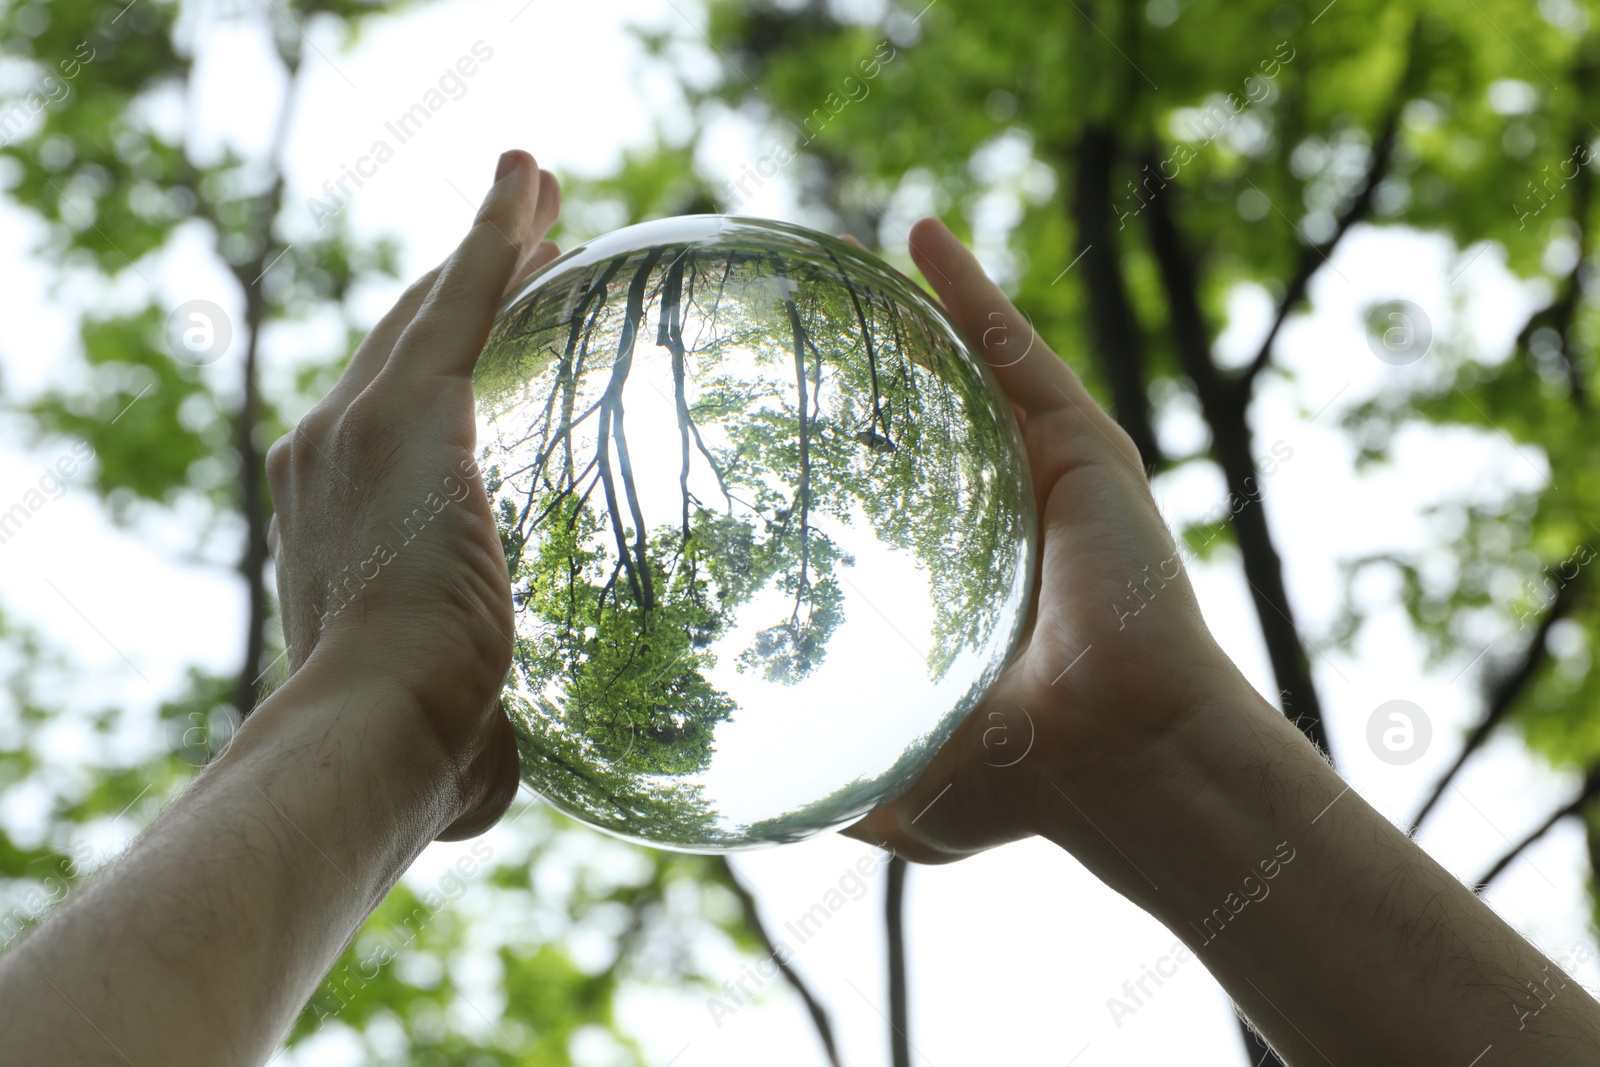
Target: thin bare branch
(1591,787)
(752,915)
(1506,691)
(894,927)
(1562,315)
(254,505)
(1313,256)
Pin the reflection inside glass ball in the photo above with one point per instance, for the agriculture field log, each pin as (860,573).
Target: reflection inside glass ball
(769,527)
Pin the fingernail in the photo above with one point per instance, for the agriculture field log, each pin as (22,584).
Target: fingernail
(508,163)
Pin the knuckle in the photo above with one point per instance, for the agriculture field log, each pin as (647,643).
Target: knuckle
(1125,443)
(364,432)
(360,415)
(278,463)
(314,421)
(420,288)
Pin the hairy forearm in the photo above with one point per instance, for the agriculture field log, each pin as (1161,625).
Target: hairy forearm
(1342,940)
(201,943)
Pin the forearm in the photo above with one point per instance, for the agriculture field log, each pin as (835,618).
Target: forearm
(1341,939)
(201,943)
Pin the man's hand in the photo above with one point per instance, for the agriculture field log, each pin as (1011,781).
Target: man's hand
(390,571)
(202,942)
(1156,764)
(1117,652)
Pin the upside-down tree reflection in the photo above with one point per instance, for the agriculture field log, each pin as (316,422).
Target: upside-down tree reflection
(648,492)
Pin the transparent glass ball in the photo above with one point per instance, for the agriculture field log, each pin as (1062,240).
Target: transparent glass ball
(769,525)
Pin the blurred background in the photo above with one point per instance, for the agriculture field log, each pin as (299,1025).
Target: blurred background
(1329,262)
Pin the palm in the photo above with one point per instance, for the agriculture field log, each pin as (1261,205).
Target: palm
(1115,643)
(389,562)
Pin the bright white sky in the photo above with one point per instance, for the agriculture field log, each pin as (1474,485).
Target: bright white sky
(1013,954)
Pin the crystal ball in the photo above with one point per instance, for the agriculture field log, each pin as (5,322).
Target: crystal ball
(769,525)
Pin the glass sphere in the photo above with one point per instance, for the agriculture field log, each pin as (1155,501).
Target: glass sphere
(769,525)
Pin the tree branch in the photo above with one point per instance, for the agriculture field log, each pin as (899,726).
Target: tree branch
(1505,692)
(1313,256)
(752,915)
(1562,314)
(610,417)
(894,926)
(669,334)
(1118,341)
(252,464)
(879,420)
(1225,410)
(1591,787)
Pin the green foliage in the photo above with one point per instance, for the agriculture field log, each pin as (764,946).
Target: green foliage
(148,417)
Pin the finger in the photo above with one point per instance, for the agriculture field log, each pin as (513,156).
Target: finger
(536,252)
(374,350)
(1033,377)
(540,255)
(882,829)
(548,206)
(543,255)
(849,240)
(453,323)
(914,828)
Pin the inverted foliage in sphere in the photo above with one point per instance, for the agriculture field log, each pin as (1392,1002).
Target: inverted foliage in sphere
(769,527)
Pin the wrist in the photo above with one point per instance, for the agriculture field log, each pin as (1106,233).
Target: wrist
(1197,809)
(358,743)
